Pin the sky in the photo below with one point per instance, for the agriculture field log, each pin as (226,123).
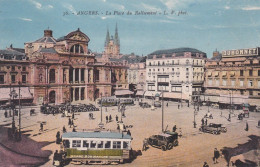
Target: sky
(205,25)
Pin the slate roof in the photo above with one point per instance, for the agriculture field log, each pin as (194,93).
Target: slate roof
(48,50)
(46,40)
(12,54)
(176,50)
(127,58)
(101,135)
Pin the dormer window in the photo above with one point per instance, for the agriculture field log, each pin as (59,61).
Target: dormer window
(77,49)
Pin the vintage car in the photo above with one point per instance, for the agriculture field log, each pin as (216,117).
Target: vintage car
(157,104)
(222,128)
(210,129)
(144,105)
(164,141)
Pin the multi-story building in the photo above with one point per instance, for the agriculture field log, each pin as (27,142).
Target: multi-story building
(234,79)
(59,70)
(136,77)
(177,72)
(14,75)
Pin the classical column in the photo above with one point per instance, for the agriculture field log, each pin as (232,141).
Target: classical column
(86,75)
(74,90)
(79,75)
(73,75)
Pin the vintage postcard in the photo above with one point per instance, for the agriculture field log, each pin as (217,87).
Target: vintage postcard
(142,83)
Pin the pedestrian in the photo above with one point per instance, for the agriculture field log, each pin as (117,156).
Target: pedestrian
(74,130)
(53,112)
(178,106)
(72,123)
(69,123)
(110,118)
(144,144)
(174,128)
(229,117)
(64,129)
(106,119)
(55,156)
(58,137)
(128,132)
(188,104)
(216,155)
(198,108)
(202,121)
(116,118)
(41,126)
(167,104)
(73,115)
(246,129)
(259,123)
(205,164)
(206,122)
(5,114)
(180,133)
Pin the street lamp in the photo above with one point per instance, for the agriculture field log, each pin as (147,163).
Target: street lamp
(208,104)
(20,135)
(162,113)
(194,121)
(101,123)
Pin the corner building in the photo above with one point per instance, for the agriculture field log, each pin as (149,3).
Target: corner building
(234,79)
(177,72)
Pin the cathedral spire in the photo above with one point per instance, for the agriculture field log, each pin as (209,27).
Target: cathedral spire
(107,38)
(117,42)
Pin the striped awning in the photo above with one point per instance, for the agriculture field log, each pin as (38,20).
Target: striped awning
(139,93)
(24,93)
(123,92)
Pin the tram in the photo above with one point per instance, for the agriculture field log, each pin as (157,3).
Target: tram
(97,147)
(112,101)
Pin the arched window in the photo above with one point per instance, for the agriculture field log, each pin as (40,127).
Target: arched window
(77,49)
(52,76)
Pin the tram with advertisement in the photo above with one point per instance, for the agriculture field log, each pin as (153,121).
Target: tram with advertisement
(96,147)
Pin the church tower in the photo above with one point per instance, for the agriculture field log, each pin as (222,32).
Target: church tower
(112,44)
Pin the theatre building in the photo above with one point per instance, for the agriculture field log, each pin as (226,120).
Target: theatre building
(179,73)
(234,79)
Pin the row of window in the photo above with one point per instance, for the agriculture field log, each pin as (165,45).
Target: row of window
(100,144)
(250,83)
(13,68)
(176,62)
(13,79)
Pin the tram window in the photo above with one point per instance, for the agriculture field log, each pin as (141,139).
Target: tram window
(85,143)
(76,143)
(108,144)
(93,144)
(100,144)
(116,144)
(125,144)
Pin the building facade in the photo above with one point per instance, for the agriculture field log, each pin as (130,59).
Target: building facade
(179,73)
(234,79)
(62,70)
(136,77)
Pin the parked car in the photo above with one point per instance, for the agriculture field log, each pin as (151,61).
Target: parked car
(144,105)
(164,141)
(210,129)
(222,128)
(157,104)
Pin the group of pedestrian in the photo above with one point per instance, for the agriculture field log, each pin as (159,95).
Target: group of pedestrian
(108,118)
(90,116)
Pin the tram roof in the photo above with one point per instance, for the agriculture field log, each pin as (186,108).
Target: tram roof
(103,135)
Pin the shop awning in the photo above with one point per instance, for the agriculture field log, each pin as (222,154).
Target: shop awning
(149,93)
(175,95)
(235,99)
(123,92)
(209,73)
(139,93)
(224,73)
(24,93)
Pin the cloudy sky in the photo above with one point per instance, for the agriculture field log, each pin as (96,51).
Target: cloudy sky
(206,25)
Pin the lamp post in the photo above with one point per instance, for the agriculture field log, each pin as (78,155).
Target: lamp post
(208,104)
(194,115)
(101,123)
(106,101)
(162,113)
(20,134)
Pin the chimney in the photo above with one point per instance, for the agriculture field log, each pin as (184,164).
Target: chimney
(47,33)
